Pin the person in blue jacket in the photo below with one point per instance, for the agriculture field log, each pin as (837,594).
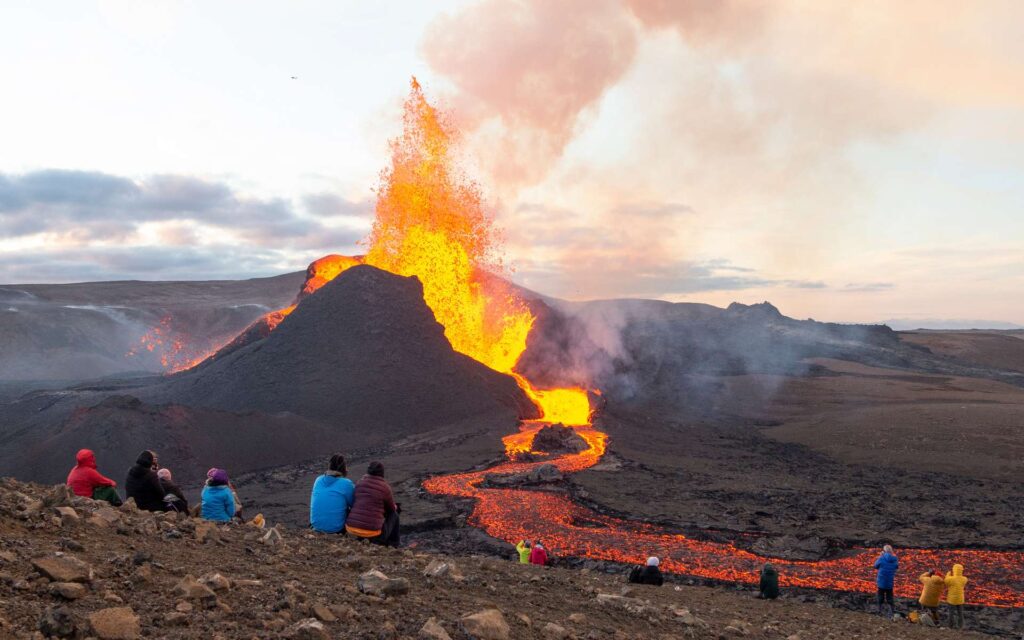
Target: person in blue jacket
(331,498)
(218,501)
(887,565)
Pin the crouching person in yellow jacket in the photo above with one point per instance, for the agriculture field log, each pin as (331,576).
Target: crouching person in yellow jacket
(955,583)
(931,593)
(523,548)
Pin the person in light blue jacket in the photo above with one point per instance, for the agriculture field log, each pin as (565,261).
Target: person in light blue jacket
(218,501)
(331,498)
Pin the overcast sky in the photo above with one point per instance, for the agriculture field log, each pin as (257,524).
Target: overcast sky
(846,161)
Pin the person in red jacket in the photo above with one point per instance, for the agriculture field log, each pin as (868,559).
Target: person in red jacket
(87,482)
(374,513)
(538,555)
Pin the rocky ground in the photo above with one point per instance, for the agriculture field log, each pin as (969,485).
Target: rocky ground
(73,568)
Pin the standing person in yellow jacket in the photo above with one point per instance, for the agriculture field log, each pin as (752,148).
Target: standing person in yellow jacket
(955,583)
(931,593)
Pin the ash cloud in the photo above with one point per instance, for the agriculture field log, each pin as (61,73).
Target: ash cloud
(527,70)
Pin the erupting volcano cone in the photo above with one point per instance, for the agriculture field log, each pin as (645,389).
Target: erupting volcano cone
(365,352)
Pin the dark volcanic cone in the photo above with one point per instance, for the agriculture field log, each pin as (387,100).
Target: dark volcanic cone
(364,353)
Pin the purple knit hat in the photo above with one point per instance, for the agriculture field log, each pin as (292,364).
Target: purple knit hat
(217,475)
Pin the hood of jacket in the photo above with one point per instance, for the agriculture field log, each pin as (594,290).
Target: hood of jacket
(888,559)
(958,569)
(329,480)
(86,458)
(138,470)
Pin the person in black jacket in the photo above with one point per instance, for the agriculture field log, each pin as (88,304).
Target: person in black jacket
(143,485)
(174,499)
(768,585)
(649,574)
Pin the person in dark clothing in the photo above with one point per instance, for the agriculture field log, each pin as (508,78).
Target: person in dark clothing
(174,499)
(143,485)
(374,514)
(769,583)
(648,574)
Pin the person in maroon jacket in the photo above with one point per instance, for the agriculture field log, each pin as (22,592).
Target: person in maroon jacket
(374,513)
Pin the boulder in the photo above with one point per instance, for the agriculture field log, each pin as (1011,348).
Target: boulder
(634,606)
(375,583)
(58,496)
(546,472)
(488,624)
(61,568)
(115,623)
(440,568)
(553,631)
(323,613)
(215,581)
(308,629)
(207,531)
(68,590)
(192,589)
(432,630)
(67,515)
(58,622)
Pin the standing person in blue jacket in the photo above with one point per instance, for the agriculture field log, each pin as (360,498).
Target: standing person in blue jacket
(218,501)
(887,565)
(331,498)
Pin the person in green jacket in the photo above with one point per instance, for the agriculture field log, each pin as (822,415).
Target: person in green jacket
(769,583)
(524,551)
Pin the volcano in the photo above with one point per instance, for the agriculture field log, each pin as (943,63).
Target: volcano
(365,353)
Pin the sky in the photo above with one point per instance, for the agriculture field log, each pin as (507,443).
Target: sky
(852,162)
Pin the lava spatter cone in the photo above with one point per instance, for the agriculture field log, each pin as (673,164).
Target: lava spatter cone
(365,350)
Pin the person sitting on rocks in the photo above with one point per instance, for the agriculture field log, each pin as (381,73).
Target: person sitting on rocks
(887,565)
(87,482)
(931,591)
(955,583)
(174,499)
(538,554)
(143,485)
(374,514)
(769,582)
(218,502)
(523,548)
(650,573)
(331,498)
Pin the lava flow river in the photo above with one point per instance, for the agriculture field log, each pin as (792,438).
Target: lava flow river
(568,529)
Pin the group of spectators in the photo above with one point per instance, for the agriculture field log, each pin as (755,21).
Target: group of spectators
(152,488)
(367,510)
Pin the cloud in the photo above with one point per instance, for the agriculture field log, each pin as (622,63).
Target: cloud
(58,225)
(526,70)
(865,287)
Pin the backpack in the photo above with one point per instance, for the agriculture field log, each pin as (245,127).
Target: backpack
(635,573)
